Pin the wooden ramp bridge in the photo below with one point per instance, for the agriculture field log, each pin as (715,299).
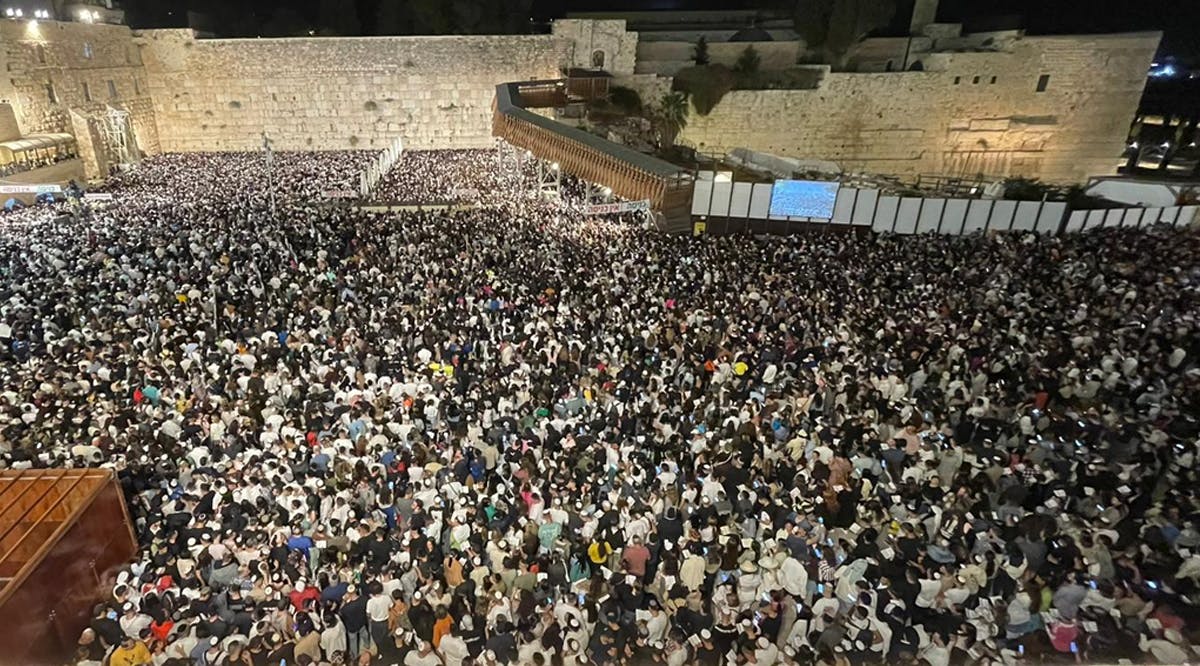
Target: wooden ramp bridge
(628,173)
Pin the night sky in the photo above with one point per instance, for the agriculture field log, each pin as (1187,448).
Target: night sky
(1179,19)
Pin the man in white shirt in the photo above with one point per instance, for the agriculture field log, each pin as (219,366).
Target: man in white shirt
(794,578)
(930,588)
(453,648)
(423,656)
(378,606)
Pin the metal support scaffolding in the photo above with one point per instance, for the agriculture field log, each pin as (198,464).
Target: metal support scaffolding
(549,180)
(118,137)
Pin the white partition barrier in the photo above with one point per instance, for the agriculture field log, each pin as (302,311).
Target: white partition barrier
(864,208)
(977,216)
(906,218)
(1003,214)
(915,215)
(843,208)
(739,202)
(954,216)
(886,212)
(1050,217)
(721,194)
(760,201)
(1026,217)
(702,197)
(930,217)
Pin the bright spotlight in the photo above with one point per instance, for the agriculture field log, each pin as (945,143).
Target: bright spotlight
(96,16)
(554,166)
(10,12)
(20,13)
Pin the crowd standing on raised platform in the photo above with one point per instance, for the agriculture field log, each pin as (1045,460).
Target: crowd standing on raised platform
(513,435)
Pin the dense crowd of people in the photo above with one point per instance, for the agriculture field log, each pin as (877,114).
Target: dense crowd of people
(470,176)
(514,435)
(214,178)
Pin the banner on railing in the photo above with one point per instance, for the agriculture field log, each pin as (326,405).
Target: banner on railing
(340,194)
(97,196)
(30,189)
(622,207)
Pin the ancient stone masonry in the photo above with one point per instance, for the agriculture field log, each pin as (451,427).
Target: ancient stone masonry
(1056,108)
(600,44)
(319,93)
(54,69)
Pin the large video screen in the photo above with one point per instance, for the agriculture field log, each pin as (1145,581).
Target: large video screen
(803,198)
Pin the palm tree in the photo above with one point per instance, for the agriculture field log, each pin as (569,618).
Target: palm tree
(673,113)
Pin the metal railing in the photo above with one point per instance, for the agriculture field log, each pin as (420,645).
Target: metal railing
(370,177)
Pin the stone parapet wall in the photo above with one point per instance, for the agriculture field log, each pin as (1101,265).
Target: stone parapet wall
(662,57)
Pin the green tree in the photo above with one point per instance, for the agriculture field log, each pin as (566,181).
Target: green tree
(748,62)
(625,99)
(700,53)
(673,115)
(704,86)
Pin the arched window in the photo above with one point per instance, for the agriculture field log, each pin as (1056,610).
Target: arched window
(598,59)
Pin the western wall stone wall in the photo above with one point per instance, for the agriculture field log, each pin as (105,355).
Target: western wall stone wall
(335,93)
(966,114)
(56,68)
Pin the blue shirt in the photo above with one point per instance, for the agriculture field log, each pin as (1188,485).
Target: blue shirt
(300,543)
(334,592)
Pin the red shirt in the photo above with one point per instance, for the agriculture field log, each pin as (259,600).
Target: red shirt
(635,558)
(300,598)
(160,631)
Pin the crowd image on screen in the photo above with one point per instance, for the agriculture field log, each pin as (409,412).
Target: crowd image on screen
(510,433)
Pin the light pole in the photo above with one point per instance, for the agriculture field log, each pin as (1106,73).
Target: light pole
(270,159)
